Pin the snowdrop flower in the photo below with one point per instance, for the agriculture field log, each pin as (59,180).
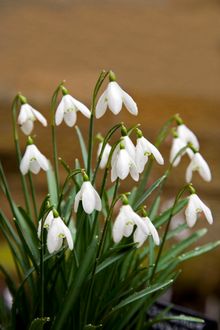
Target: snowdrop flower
(27,116)
(90,198)
(47,223)
(199,164)
(177,145)
(140,236)
(124,225)
(114,97)
(56,233)
(195,206)
(122,165)
(185,134)
(67,110)
(33,160)
(105,154)
(144,149)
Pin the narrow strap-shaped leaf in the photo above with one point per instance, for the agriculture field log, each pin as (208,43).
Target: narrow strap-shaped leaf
(147,193)
(199,250)
(52,186)
(82,145)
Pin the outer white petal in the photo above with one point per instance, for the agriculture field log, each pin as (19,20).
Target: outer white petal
(39,117)
(47,223)
(25,162)
(177,145)
(70,118)
(153,231)
(105,155)
(114,97)
(130,214)
(140,158)
(101,106)
(190,212)
(187,135)
(60,112)
(129,103)
(54,242)
(202,207)
(204,169)
(129,146)
(134,171)
(66,232)
(157,155)
(139,237)
(27,127)
(23,115)
(90,198)
(82,108)
(78,198)
(41,159)
(189,171)
(118,227)
(123,164)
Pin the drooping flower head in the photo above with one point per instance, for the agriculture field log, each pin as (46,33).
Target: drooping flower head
(179,148)
(199,164)
(88,195)
(186,135)
(113,98)
(33,160)
(47,223)
(123,164)
(27,116)
(194,207)
(67,110)
(144,149)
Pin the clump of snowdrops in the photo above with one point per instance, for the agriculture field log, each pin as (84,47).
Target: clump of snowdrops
(93,256)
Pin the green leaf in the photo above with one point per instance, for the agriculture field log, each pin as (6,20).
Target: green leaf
(139,295)
(38,324)
(82,145)
(91,326)
(175,318)
(147,193)
(52,187)
(199,250)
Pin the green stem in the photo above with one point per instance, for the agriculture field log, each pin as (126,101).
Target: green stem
(33,195)
(99,252)
(98,85)
(181,192)
(18,153)
(53,131)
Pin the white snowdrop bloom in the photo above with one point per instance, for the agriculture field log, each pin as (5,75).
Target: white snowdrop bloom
(185,134)
(67,110)
(105,154)
(124,224)
(199,164)
(140,236)
(122,165)
(56,233)
(47,223)
(144,149)
(177,145)
(195,206)
(90,198)
(27,116)
(114,97)
(33,160)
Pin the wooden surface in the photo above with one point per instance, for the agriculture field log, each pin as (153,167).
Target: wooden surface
(165,53)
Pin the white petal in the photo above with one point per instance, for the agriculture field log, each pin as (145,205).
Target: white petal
(101,106)
(25,162)
(105,155)
(118,228)
(189,171)
(123,164)
(133,171)
(40,117)
(153,231)
(177,145)
(129,146)
(41,159)
(128,227)
(200,205)
(70,118)
(114,97)
(67,235)
(54,242)
(190,212)
(204,169)
(23,115)
(89,198)
(82,108)
(60,112)
(114,174)
(34,166)
(78,198)
(140,158)
(27,127)
(139,237)
(187,135)
(129,103)
(157,155)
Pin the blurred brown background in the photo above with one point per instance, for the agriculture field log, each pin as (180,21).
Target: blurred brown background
(166,54)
